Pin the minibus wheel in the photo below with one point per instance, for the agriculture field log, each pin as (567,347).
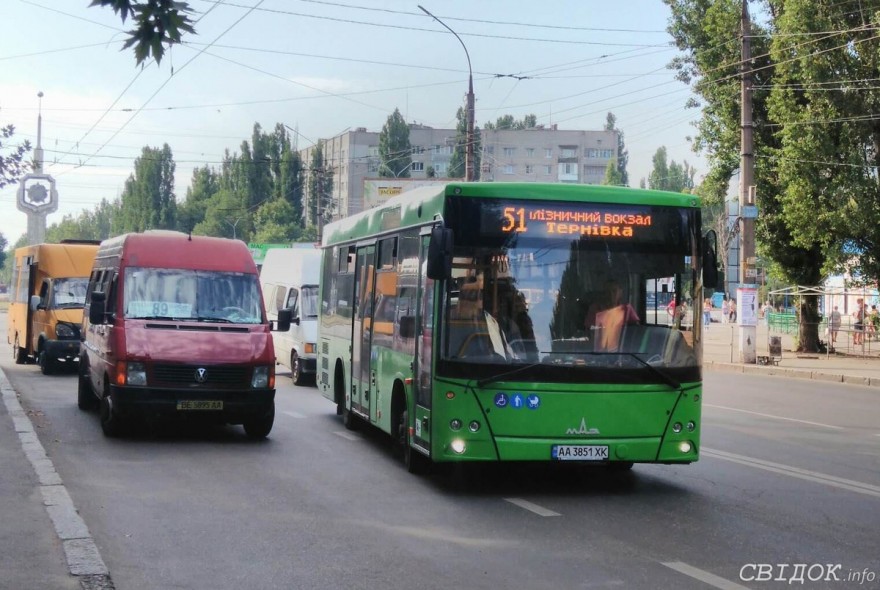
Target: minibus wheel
(295,369)
(47,365)
(85,397)
(111,423)
(260,426)
(18,353)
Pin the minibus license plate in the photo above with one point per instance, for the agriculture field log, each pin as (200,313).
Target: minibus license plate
(199,405)
(580,452)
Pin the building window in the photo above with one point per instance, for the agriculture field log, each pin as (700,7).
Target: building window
(530,169)
(548,152)
(418,149)
(568,153)
(594,171)
(440,168)
(372,165)
(418,166)
(510,169)
(491,149)
(548,170)
(373,151)
(530,152)
(568,169)
(509,152)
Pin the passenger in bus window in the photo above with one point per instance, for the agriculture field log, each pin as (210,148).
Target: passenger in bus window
(610,321)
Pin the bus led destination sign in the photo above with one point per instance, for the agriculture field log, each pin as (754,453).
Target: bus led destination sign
(592,221)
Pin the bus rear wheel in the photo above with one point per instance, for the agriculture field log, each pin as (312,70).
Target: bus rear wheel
(18,353)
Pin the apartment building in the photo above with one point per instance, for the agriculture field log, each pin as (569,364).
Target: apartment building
(541,154)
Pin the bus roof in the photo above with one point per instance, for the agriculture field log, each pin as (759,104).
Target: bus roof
(171,249)
(421,205)
(61,260)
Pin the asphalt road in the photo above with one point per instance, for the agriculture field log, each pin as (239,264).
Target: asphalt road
(789,474)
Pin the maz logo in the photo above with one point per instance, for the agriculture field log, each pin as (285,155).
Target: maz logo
(583,429)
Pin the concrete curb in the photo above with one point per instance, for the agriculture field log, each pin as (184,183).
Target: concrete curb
(792,373)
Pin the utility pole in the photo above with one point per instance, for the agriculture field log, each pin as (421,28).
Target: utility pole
(469,161)
(747,291)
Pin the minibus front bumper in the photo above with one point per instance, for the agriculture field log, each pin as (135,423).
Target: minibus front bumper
(227,406)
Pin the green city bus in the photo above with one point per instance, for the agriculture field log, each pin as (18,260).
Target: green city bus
(519,322)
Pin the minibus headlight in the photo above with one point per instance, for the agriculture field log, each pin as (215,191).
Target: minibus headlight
(64,331)
(260,379)
(135,374)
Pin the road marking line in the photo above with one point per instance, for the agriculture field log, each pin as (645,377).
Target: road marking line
(346,435)
(294,414)
(539,510)
(773,416)
(704,576)
(814,476)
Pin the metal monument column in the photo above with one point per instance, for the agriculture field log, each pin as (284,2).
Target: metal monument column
(36,194)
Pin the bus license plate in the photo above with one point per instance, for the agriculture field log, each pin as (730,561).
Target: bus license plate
(580,452)
(200,405)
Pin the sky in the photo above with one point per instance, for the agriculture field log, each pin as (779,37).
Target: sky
(321,67)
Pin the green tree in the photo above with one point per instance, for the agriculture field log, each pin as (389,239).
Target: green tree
(510,122)
(3,244)
(274,222)
(12,165)
(320,188)
(225,217)
(658,178)
(612,174)
(457,161)
(622,153)
(148,200)
(90,224)
(789,70)
(395,150)
(205,184)
(157,23)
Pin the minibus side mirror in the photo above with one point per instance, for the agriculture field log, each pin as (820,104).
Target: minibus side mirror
(284,319)
(440,253)
(35,302)
(97,308)
(407,326)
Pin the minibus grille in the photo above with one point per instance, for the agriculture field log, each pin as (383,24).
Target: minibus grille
(210,376)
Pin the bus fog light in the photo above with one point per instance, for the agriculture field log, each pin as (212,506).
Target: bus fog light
(676,428)
(685,447)
(474,426)
(455,424)
(457,446)
(691,426)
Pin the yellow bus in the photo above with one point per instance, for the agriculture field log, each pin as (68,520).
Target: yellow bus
(46,302)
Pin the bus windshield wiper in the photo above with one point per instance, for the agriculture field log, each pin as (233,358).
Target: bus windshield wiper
(486,381)
(664,376)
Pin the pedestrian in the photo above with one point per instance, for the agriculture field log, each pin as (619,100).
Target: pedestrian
(873,322)
(834,326)
(859,323)
(732,307)
(707,312)
(765,312)
(725,310)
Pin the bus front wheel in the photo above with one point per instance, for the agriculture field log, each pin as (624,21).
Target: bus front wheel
(415,462)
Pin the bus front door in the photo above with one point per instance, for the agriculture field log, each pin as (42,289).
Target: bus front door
(361,338)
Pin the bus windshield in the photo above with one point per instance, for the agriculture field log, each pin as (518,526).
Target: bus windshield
(542,285)
(195,295)
(69,293)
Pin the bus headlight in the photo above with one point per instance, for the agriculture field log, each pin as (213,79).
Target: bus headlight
(65,331)
(260,379)
(457,446)
(685,447)
(135,374)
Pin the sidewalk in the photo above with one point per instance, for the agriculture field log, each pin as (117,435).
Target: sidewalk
(721,352)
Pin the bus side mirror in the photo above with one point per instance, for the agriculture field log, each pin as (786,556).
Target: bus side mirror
(440,253)
(284,319)
(97,308)
(407,326)
(710,260)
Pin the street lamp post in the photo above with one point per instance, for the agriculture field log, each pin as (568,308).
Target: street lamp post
(469,148)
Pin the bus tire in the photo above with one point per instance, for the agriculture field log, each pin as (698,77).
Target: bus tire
(259,427)
(85,397)
(111,423)
(349,420)
(416,463)
(18,353)
(47,364)
(296,373)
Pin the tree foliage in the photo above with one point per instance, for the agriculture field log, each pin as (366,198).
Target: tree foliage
(622,153)
(529,121)
(395,150)
(148,200)
(320,188)
(12,165)
(816,150)
(156,23)
(670,176)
